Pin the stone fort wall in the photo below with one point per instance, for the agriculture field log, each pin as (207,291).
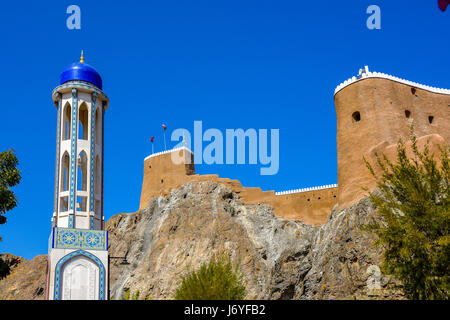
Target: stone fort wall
(373,112)
(162,174)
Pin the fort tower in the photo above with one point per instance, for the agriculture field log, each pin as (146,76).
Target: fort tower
(375,110)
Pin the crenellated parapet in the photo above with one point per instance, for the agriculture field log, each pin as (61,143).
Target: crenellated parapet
(327,186)
(156,154)
(369,74)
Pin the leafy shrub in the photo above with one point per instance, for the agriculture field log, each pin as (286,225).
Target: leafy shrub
(414,205)
(216,280)
(9,177)
(4,269)
(127,295)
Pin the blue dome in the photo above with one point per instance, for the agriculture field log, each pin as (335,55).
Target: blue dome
(81,72)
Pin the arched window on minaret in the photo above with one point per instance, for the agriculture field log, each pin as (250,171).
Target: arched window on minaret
(97,185)
(97,126)
(65,178)
(82,172)
(83,123)
(65,172)
(66,122)
(97,176)
(82,182)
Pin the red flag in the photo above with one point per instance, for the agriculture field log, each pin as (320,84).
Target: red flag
(152,138)
(443,4)
(164,126)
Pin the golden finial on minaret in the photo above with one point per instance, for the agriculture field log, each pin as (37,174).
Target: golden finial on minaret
(82,58)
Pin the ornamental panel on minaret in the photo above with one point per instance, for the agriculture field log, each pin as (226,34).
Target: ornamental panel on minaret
(78,240)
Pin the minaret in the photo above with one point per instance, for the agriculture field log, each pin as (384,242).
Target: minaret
(78,244)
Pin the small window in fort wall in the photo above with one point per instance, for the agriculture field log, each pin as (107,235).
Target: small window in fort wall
(407,114)
(356,116)
(430,119)
(413,90)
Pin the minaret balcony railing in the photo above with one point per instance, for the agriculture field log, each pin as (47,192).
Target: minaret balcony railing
(63,214)
(65,145)
(78,212)
(82,193)
(64,193)
(83,144)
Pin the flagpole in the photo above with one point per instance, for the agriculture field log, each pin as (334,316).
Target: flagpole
(153,148)
(164,134)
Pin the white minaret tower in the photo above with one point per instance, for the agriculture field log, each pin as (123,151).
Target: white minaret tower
(78,244)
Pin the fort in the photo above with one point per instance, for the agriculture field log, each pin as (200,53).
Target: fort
(373,111)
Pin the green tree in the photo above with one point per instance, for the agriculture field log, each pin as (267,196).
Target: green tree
(414,205)
(216,280)
(4,269)
(9,177)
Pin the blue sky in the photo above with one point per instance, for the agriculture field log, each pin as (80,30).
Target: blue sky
(231,64)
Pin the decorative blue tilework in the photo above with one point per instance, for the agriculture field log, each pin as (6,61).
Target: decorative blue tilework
(92,175)
(86,239)
(62,262)
(58,138)
(73,157)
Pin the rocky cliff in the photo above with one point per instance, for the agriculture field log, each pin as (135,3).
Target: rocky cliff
(279,258)
(26,280)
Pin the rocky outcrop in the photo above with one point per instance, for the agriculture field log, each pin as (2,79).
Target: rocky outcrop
(26,280)
(11,260)
(341,257)
(279,258)
(169,170)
